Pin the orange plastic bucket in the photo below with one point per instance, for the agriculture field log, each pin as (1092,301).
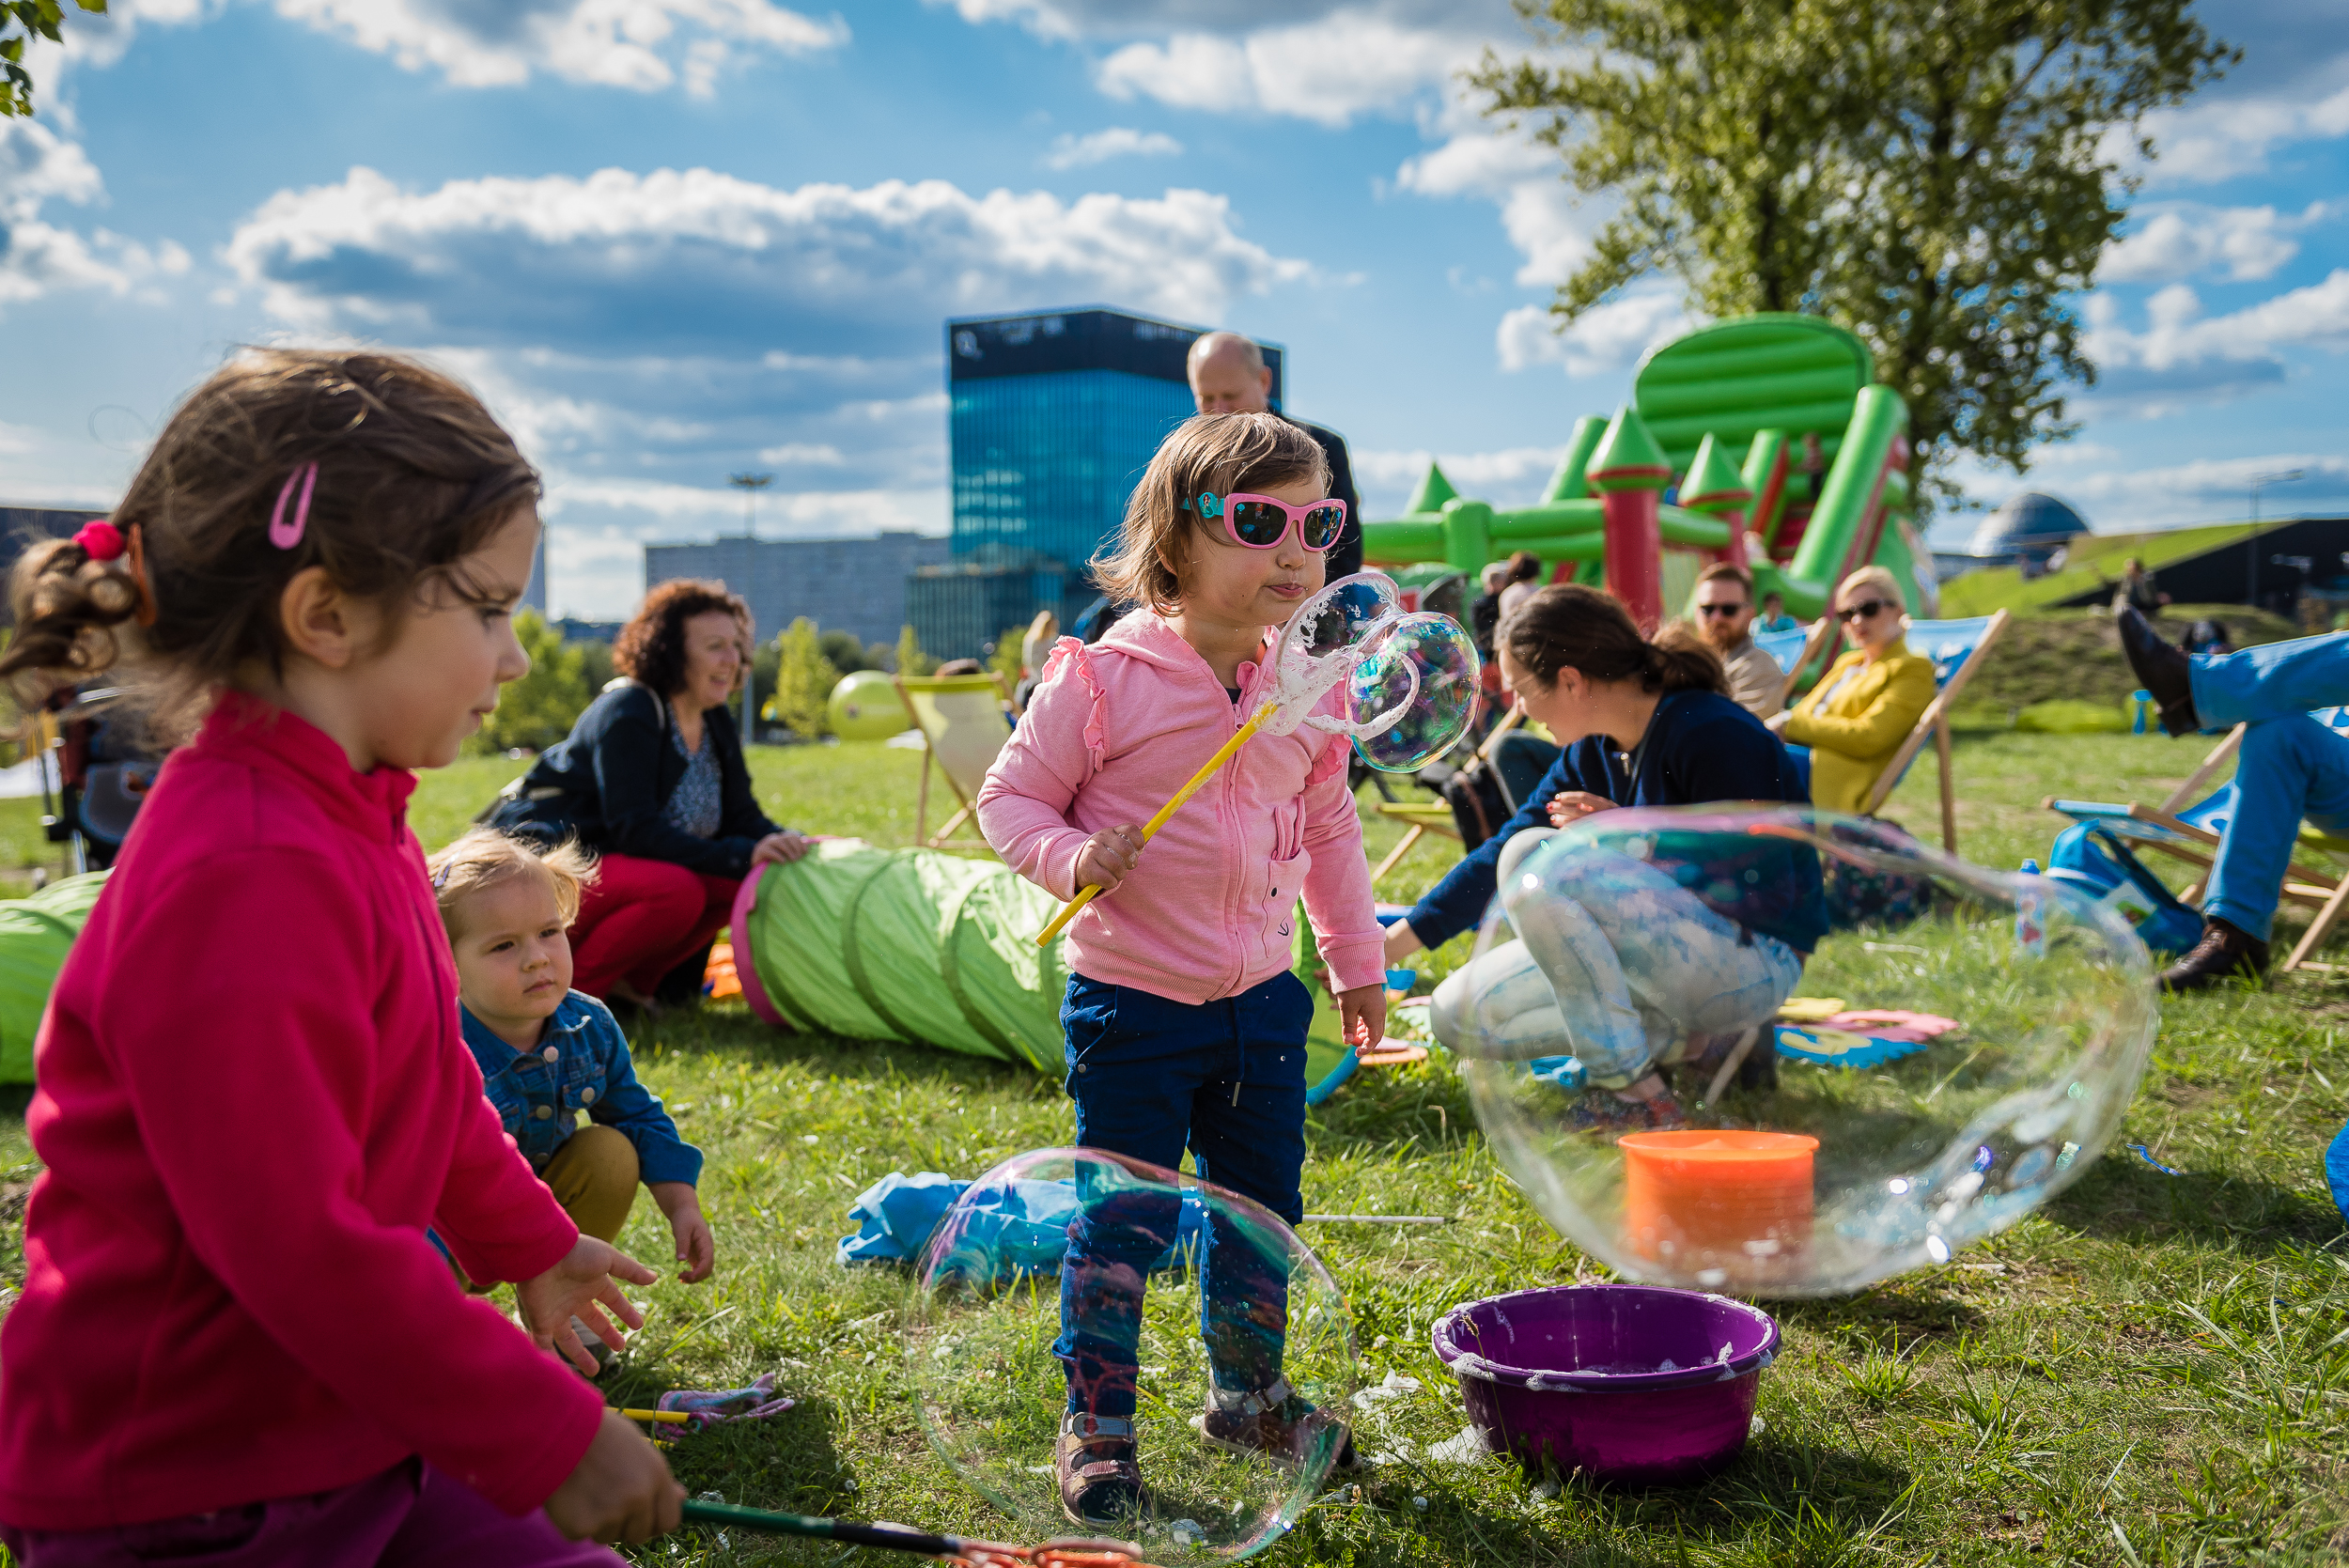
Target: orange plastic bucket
(1721,1199)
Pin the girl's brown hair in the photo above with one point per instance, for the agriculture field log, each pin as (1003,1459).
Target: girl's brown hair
(482,858)
(1569,627)
(651,647)
(414,475)
(1218,453)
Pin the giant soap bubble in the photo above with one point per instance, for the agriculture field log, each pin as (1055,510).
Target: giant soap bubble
(1426,665)
(1233,1301)
(1684,1095)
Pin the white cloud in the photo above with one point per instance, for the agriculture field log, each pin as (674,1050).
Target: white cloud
(803,452)
(17,441)
(1606,337)
(2213,139)
(2173,240)
(1327,70)
(643,45)
(2205,489)
(38,166)
(2178,336)
(1541,214)
(1069,19)
(1119,141)
(697,257)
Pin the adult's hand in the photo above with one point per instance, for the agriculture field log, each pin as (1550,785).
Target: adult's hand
(1776,722)
(780,849)
(1572,805)
(620,1490)
(582,1286)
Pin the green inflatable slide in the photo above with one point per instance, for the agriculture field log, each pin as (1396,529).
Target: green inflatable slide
(923,947)
(36,934)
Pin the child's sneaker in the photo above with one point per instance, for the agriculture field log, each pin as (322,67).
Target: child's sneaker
(1276,1421)
(1098,1470)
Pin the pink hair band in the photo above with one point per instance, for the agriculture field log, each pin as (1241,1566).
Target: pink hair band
(283,534)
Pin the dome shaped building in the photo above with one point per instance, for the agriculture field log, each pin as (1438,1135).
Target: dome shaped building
(2025,531)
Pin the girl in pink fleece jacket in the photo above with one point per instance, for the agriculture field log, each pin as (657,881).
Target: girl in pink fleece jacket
(1184,1021)
(254,1097)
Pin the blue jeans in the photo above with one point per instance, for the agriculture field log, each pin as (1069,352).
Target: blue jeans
(2290,768)
(2275,681)
(1150,1075)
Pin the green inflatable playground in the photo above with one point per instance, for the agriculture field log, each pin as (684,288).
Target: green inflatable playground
(1775,388)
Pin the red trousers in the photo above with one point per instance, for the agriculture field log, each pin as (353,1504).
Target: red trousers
(640,918)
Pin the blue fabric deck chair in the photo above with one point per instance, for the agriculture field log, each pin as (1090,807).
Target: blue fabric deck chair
(1957,648)
(2188,829)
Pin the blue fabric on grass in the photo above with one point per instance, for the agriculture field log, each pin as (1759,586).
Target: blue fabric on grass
(1026,1229)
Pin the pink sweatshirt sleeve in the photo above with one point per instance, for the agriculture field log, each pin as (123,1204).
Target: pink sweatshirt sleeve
(1338,898)
(1023,806)
(243,1049)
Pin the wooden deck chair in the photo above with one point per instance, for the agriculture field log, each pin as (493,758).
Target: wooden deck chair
(963,730)
(2190,831)
(1435,817)
(1957,649)
(1796,650)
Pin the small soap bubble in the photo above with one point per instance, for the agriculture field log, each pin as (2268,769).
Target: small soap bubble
(1812,1053)
(1175,1291)
(1426,665)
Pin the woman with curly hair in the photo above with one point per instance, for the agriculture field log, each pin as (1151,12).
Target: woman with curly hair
(651,777)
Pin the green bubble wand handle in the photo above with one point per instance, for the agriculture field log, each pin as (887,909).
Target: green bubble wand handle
(1150,829)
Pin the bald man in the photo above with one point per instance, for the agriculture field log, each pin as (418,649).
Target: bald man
(1228,375)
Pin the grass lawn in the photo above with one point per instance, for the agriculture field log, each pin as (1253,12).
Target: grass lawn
(2155,1369)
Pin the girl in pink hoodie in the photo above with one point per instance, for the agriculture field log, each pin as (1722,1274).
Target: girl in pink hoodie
(254,1097)
(1184,1021)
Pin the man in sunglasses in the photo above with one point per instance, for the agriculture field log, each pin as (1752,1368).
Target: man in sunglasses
(1228,375)
(1724,616)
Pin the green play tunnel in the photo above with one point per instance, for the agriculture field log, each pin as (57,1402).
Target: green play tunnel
(917,946)
(36,934)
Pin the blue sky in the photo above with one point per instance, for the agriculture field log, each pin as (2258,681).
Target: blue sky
(672,239)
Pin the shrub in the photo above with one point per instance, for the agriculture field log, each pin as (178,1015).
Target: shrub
(803,680)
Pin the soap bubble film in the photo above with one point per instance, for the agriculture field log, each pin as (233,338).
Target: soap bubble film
(1958,1045)
(1339,616)
(1427,661)
(1173,1288)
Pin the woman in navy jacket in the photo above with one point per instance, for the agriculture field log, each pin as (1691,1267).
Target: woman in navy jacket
(651,777)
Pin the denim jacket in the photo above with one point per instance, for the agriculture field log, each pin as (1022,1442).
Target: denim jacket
(582,1064)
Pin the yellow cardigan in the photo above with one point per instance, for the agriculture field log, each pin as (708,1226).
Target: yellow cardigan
(1854,726)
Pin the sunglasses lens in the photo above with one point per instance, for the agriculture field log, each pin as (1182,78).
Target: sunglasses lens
(1321,526)
(1256,523)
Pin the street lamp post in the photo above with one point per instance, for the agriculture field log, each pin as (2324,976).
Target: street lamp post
(750,485)
(2250,540)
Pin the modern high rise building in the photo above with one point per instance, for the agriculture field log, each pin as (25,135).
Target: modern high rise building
(857,586)
(1053,417)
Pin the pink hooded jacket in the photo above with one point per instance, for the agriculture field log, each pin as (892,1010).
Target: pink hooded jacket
(1111,732)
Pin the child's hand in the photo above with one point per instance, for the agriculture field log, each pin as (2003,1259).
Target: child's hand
(696,1247)
(1572,805)
(1363,1016)
(582,1286)
(620,1490)
(1108,856)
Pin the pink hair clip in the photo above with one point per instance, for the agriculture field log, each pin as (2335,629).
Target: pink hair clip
(284,535)
(100,540)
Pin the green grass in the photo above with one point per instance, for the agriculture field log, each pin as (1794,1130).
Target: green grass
(2151,1370)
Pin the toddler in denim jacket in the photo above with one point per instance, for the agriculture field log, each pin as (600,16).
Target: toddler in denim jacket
(548,1052)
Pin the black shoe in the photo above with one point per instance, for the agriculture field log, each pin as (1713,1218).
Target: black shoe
(2160,668)
(2225,950)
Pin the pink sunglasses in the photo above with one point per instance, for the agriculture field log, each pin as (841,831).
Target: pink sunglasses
(1260,523)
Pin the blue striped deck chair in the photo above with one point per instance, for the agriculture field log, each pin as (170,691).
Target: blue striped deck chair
(2188,829)
(1797,649)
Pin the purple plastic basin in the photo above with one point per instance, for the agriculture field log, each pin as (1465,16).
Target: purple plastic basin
(1574,1377)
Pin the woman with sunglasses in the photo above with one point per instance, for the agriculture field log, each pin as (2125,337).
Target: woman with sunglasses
(1862,711)
(1185,1024)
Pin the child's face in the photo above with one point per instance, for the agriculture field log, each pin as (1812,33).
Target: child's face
(416,701)
(513,961)
(1240,586)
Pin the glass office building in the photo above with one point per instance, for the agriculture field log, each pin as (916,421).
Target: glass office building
(1053,417)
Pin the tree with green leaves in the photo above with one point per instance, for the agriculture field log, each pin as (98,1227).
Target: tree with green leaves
(1940,176)
(911,661)
(803,680)
(21,22)
(538,710)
